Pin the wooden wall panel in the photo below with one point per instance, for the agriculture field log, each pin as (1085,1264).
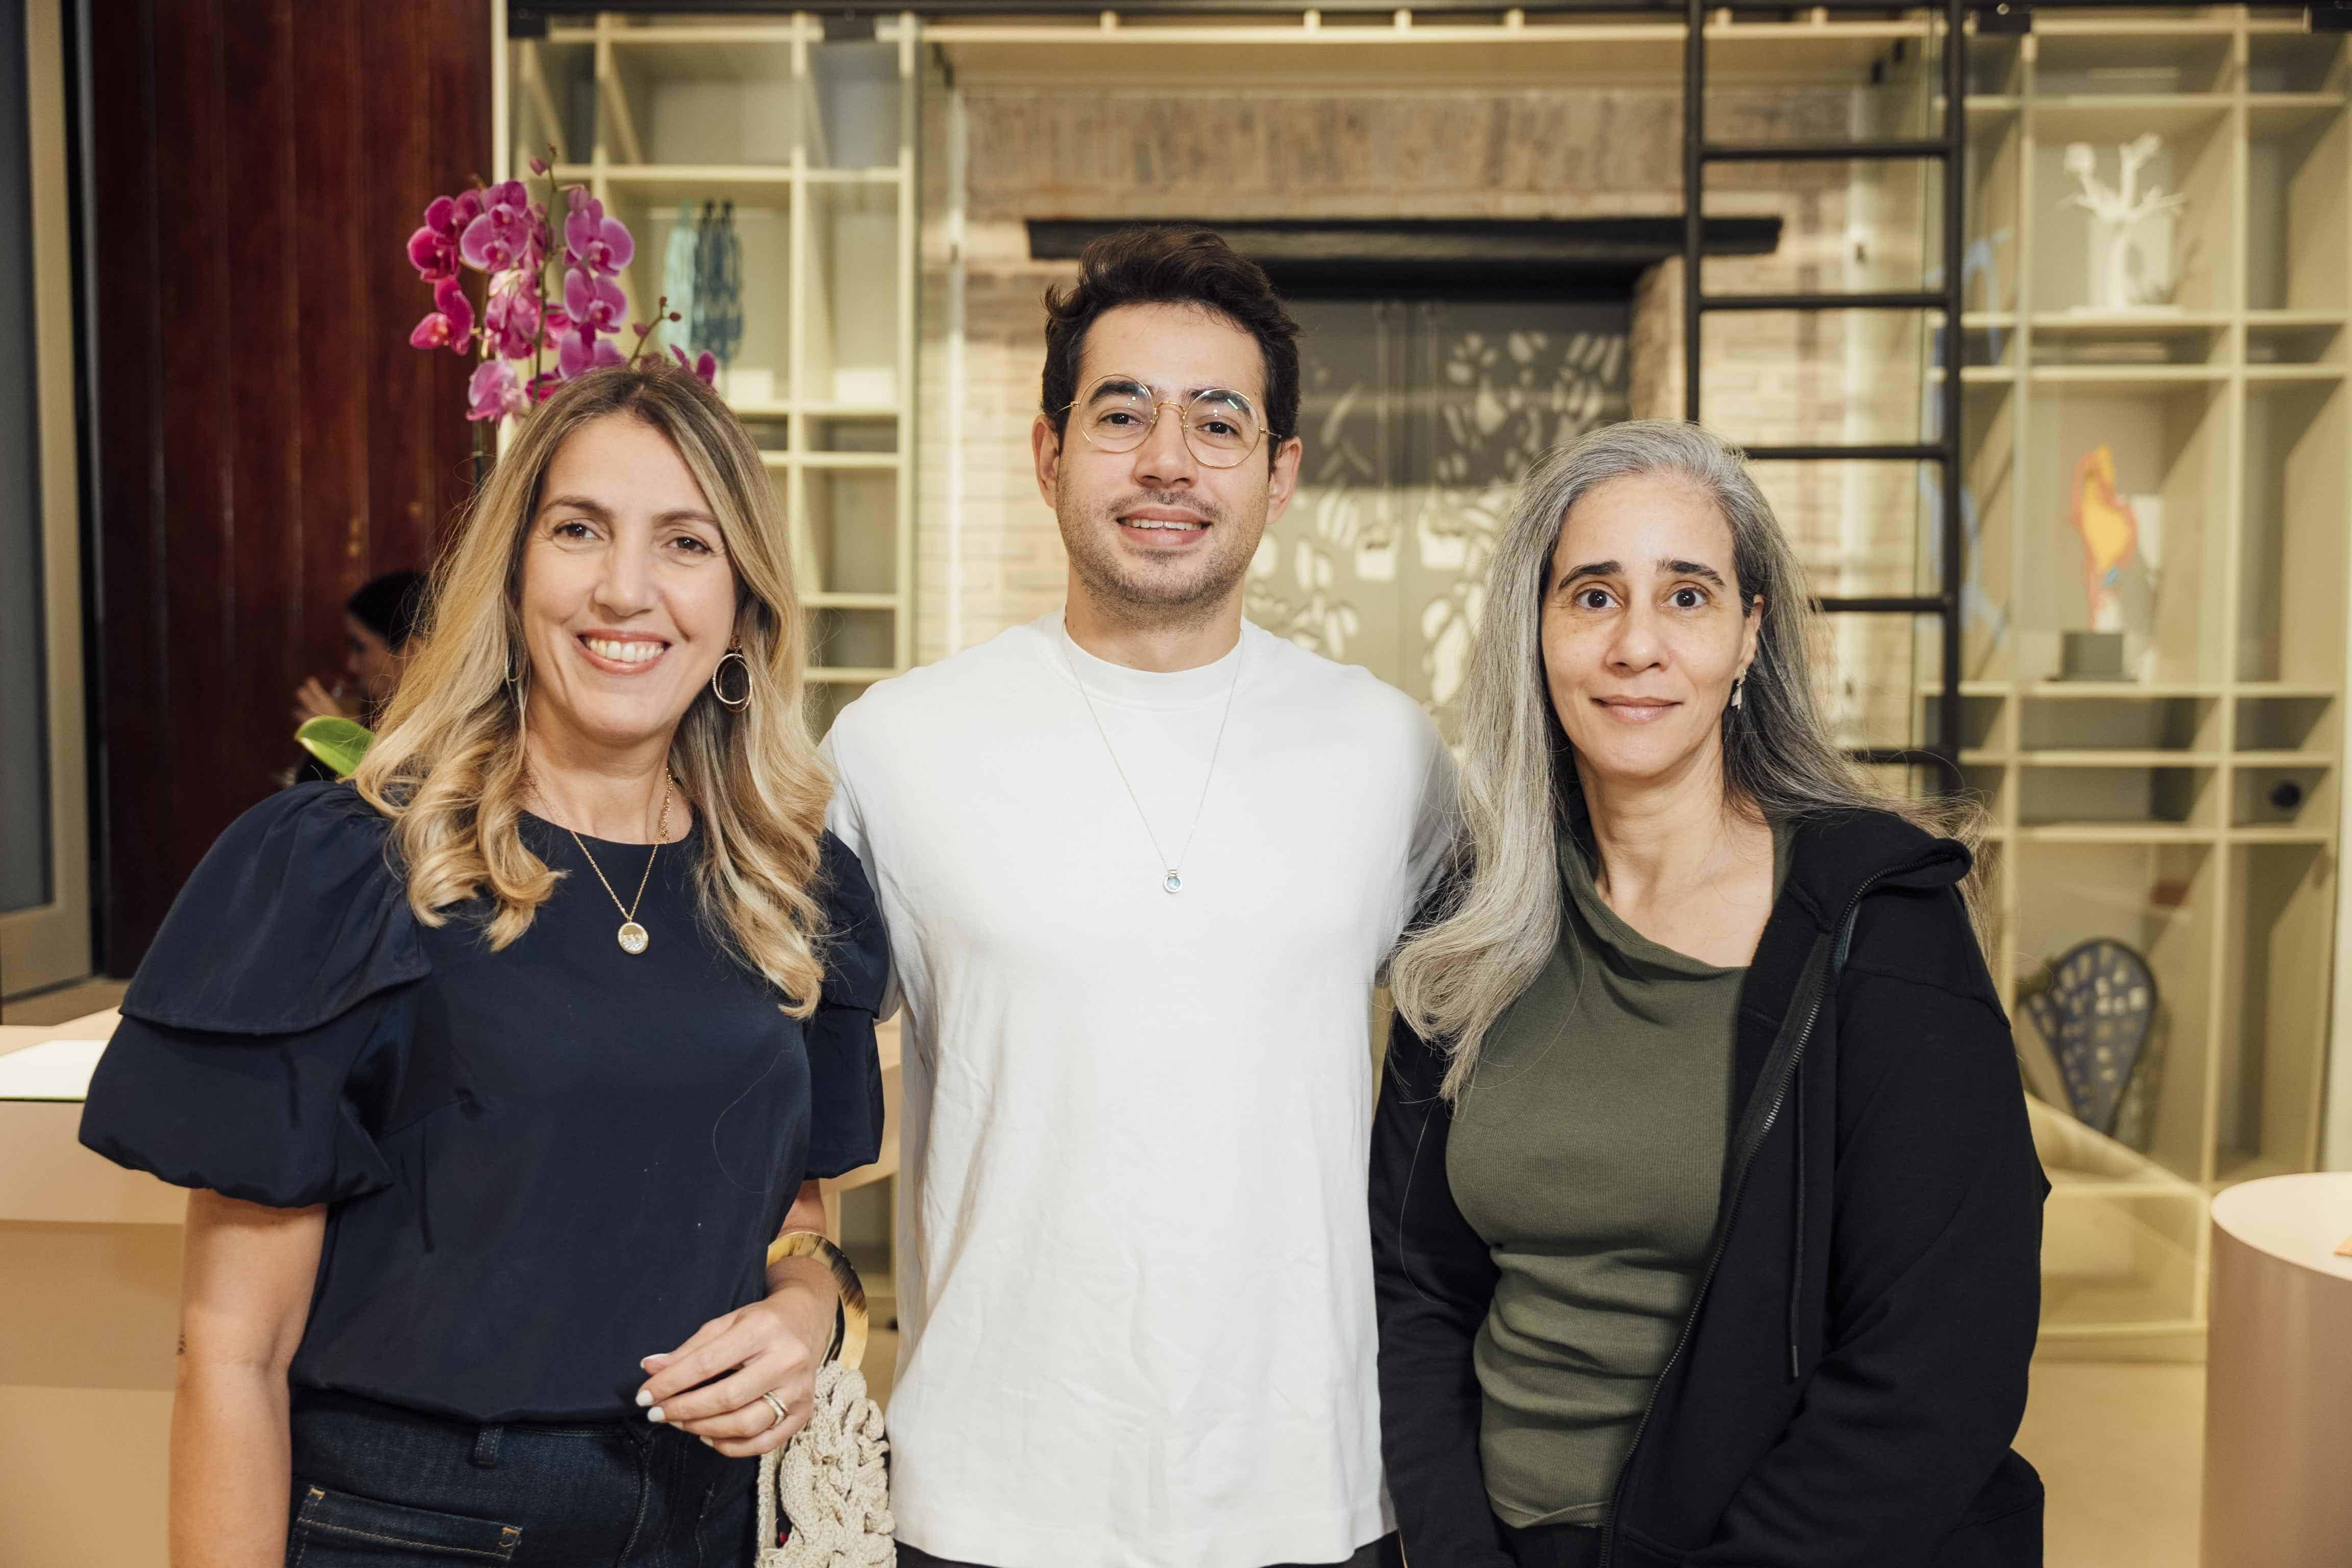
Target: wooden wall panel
(126,510)
(193,285)
(265,468)
(265,440)
(332,423)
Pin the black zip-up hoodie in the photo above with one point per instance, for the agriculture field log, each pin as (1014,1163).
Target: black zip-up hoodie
(1853,1367)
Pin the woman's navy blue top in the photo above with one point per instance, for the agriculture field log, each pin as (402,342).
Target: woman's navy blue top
(542,1163)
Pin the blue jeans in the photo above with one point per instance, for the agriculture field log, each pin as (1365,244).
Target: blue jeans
(378,1486)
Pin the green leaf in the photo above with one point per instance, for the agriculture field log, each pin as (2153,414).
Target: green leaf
(338,742)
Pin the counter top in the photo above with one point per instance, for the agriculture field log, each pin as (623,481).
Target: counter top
(2299,1219)
(45,1069)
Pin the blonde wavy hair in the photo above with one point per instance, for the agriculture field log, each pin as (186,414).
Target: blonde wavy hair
(448,766)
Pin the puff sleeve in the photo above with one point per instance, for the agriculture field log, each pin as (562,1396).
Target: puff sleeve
(269,1013)
(844,1069)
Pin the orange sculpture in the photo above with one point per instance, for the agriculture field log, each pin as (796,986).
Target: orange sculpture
(2109,533)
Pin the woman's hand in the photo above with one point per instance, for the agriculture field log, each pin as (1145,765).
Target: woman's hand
(313,701)
(711,1385)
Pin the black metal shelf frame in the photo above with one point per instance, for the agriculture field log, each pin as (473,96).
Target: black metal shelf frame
(1943,751)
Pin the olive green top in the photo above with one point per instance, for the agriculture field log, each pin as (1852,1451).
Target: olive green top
(1589,1154)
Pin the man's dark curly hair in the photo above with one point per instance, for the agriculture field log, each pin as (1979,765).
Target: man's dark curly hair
(1168,265)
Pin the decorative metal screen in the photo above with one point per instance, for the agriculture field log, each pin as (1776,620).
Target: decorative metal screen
(1419,419)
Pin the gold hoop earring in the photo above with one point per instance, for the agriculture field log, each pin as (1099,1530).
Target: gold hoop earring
(733,704)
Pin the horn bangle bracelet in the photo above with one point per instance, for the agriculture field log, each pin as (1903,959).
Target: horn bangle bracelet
(848,1344)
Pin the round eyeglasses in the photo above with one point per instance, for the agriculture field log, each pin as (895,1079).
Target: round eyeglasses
(1116,413)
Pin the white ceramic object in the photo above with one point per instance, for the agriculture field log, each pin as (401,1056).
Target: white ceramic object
(2130,256)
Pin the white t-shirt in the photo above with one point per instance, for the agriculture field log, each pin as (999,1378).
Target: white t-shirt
(1135,1295)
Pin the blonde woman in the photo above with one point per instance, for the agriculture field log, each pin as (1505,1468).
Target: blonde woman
(1704,1214)
(495,1070)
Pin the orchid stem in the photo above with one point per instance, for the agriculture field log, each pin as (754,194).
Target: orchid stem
(538,278)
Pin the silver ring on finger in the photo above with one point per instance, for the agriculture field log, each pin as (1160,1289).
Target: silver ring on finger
(777,1405)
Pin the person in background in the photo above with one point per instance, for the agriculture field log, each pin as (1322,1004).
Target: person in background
(378,623)
(497,1071)
(1705,1212)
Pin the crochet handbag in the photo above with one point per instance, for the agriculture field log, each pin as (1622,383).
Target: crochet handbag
(825,1497)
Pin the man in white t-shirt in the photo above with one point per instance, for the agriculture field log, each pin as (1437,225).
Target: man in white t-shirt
(1141,866)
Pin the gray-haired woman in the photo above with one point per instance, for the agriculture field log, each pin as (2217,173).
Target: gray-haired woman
(1704,1212)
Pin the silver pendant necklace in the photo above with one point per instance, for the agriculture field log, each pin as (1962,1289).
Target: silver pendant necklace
(1172,878)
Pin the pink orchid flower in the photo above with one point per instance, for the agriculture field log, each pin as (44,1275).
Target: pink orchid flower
(592,240)
(582,351)
(432,254)
(496,240)
(433,249)
(596,303)
(704,364)
(511,319)
(502,231)
(534,255)
(494,393)
(451,324)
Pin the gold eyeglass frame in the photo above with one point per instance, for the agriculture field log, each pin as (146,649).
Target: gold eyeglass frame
(1184,428)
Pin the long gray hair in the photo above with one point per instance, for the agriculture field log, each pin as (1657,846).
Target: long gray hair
(1454,976)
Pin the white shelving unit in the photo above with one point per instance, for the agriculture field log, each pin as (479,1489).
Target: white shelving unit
(2192,811)
(811,139)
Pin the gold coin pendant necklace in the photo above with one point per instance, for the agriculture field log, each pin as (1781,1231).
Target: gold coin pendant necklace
(633,937)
